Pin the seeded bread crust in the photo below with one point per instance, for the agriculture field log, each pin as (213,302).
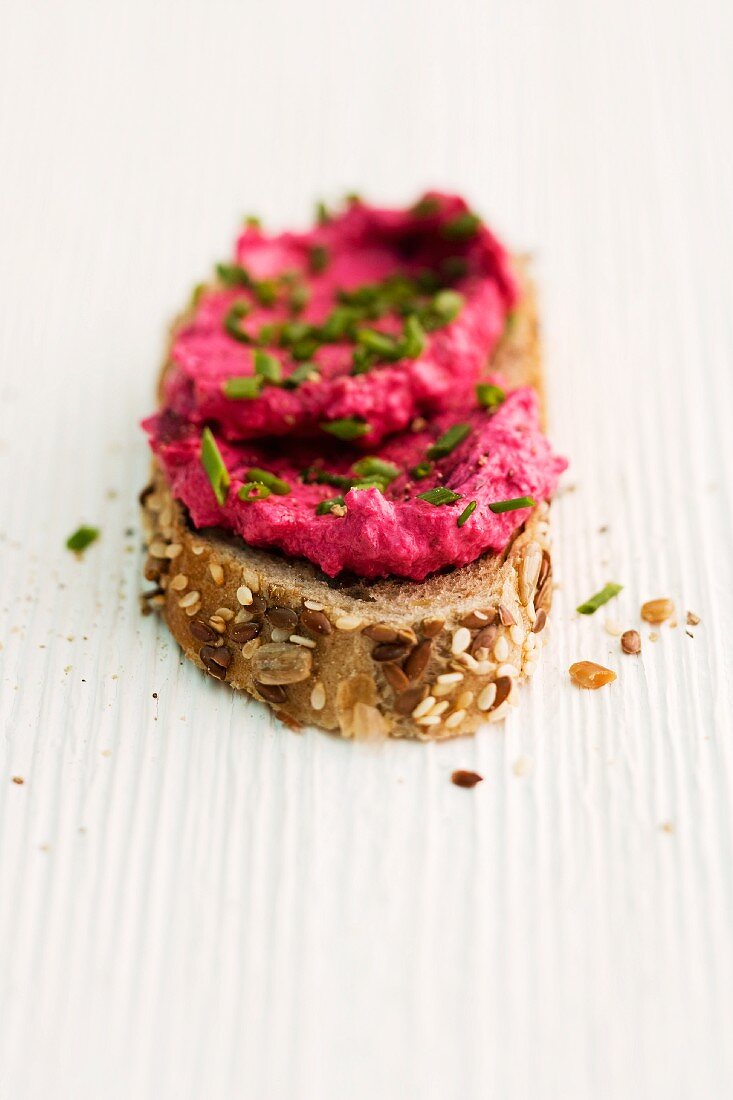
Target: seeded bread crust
(430,659)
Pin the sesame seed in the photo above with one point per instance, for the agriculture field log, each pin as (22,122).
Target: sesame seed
(179,582)
(157,549)
(461,640)
(455,719)
(501,649)
(507,670)
(198,550)
(218,624)
(439,708)
(486,697)
(429,720)
(280,634)
(193,609)
(485,668)
(516,633)
(244,595)
(348,622)
(312,605)
(217,573)
(298,639)
(318,695)
(529,667)
(464,700)
(189,599)
(173,550)
(225,613)
(450,678)
(423,707)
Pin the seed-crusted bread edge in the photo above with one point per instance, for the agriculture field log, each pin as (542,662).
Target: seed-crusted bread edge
(427,660)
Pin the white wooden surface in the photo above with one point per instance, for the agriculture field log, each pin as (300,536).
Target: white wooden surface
(197,903)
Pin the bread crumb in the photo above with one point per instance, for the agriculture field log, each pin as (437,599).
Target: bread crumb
(523,765)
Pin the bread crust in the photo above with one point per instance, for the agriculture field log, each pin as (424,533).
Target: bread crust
(399,658)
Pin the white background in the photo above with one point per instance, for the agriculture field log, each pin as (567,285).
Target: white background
(196,902)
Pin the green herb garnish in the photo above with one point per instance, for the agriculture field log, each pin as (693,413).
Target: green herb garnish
(274,483)
(82,537)
(304,349)
(251,221)
(463,227)
(384,345)
(372,467)
(196,295)
(413,338)
(326,506)
(489,396)
(346,428)
(466,513)
(449,441)
(315,476)
(304,372)
(422,470)
(244,388)
(323,215)
(512,505)
(232,322)
(607,593)
(213,463)
(447,304)
(439,495)
(268,367)
(252,491)
(425,207)
(362,360)
(299,297)
(233,275)
(265,291)
(454,267)
(318,257)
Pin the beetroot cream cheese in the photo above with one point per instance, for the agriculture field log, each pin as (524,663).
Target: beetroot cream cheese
(327,397)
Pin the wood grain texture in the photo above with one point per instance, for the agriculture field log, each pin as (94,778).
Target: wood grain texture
(197,903)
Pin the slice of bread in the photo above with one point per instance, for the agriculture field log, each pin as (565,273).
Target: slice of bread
(398,658)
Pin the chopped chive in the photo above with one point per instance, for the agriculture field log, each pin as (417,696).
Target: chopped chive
(425,207)
(447,304)
(371,466)
(489,396)
(369,483)
(607,593)
(422,470)
(196,295)
(304,372)
(251,221)
(314,476)
(304,349)
(463,227)
(82,537)
(449,441)
(244,388)
(318,257)
(413,338)
(454,267)
(346,428)
(380,342)
(362,360)
(439,495)
(213,463)
(323,215)
(268,367)
(293,331)
(338,323)
(268,334)
(466,513)
(299,297)
(274,483)
(252,491)
(265,291)
(512,505)
(326,506)
(353,198)
(231,322)
(233,275)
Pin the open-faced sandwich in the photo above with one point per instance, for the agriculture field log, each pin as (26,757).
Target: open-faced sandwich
(348,512)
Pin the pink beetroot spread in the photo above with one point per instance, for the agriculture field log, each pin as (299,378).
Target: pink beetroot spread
(363,247)
(336,497)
